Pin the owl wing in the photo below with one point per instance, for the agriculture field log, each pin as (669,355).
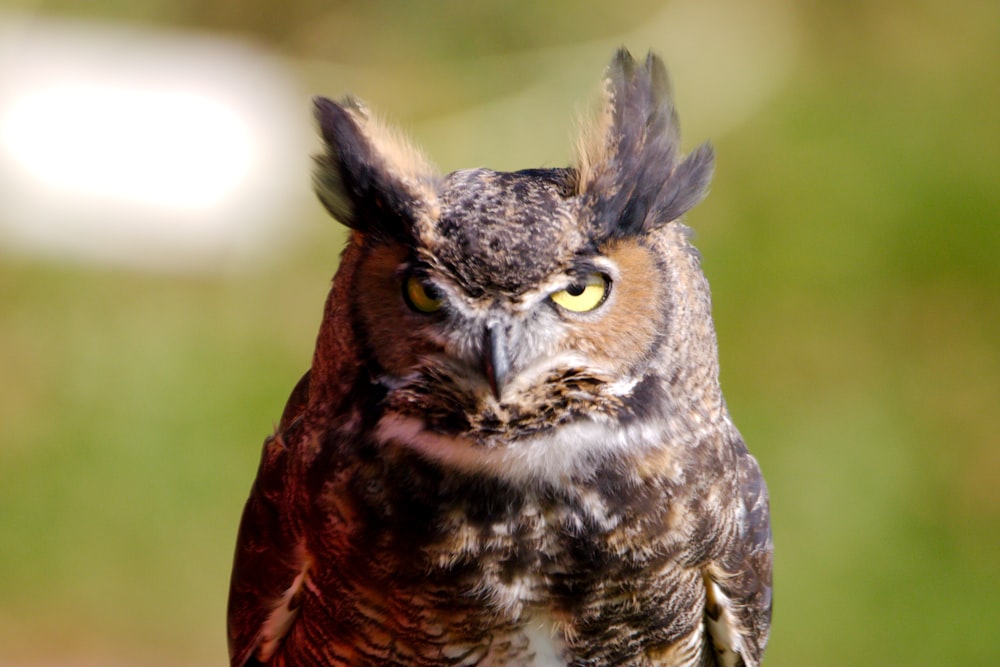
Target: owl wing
(738,585)
(270,564)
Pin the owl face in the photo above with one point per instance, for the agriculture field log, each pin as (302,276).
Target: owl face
(508,317)
(505,330)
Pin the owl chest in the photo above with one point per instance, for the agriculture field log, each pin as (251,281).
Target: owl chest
(504,553)
(489,574)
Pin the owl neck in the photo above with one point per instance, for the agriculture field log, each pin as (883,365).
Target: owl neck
(649,427)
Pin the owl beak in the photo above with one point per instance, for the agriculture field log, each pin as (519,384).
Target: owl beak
(496,359)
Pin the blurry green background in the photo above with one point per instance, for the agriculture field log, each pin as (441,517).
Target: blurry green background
(852,239)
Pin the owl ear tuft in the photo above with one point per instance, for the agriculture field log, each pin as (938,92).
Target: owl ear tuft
(630,172)
(369,177)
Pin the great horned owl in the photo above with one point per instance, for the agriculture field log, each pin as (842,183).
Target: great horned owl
(511,448)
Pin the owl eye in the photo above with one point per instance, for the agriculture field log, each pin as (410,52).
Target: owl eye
(584,296)
(420,296)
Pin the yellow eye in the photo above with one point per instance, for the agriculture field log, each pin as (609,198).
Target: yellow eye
(586,296)
(420,296)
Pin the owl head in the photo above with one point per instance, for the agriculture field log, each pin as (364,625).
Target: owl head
(523,322)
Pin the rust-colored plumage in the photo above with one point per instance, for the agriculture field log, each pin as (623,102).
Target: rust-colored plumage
(512,447)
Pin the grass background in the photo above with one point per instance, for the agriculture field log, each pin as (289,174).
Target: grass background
(852,239)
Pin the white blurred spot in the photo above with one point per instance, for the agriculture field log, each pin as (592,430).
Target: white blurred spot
(174,149)
(149,149)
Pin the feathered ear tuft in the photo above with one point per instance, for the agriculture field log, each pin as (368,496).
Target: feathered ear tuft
(370,178)
(630,173)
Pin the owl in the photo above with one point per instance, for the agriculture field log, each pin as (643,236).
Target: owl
(511,447)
